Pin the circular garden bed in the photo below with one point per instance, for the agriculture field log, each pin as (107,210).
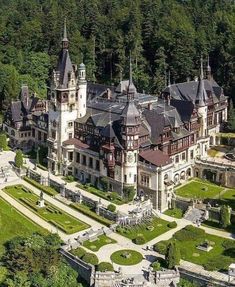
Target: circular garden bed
(126,257)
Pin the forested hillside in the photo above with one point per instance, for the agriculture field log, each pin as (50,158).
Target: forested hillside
(162,35)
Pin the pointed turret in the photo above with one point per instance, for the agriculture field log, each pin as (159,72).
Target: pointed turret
(201,97)
(131,90)
(65,41)
(208,69)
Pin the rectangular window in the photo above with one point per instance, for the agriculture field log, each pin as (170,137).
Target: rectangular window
(39,136)
(97,165)
(191,154)
(125,178)
(84,160)
(70,155)
(135,177)
(90,162)
(177,159)
(183,156)
(70,124)
(78,157)
(70,135)
(33,132)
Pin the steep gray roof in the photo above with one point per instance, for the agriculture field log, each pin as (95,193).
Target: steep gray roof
(64,67)
(130,114)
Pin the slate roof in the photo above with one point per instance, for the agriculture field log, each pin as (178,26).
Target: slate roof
(130,114)
(155,157)
(64,67)
(188,91)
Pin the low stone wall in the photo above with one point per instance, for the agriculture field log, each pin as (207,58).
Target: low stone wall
(182,203)
(85,270)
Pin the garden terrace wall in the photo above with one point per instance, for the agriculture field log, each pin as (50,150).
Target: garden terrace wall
(182,203)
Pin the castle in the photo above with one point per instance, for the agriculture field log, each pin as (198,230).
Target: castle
(116,135)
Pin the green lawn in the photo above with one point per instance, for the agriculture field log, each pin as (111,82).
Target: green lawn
(175,212)
(97,244)
(126,257)
(197,188)
(149,230)
(50,213)
(13,224)
(188,242)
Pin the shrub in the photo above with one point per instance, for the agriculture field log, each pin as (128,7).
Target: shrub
(111,207)
(225,216)
(90,258)
(172,255)
(129,192)
(172,224)
(19,159)
(104,183)
(69,178)
(218,263)
(105,266)
(161,247)
(156,266)
(189,233)
(139,240)
(228,244)
(79,252)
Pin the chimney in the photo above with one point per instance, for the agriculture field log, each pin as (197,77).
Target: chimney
(109,94)
(150,106)
(168,100)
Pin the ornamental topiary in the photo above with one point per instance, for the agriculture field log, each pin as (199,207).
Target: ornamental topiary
(172,255)
(172,224)
(90,258)
(139,240)
(105,266)
(156,266)
(19,159)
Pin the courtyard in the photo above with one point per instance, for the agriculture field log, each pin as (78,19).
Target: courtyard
(65,222)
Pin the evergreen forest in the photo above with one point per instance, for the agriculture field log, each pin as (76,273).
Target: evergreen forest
(165,38)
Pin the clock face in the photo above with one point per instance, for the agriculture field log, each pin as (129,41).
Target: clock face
(130,158)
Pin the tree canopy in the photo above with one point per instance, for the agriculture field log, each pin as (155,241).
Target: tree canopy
(161,36)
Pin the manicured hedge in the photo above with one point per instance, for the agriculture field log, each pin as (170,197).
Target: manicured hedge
(79,252)
(172,224)
(218,263)
(111,207)
(30,204)
(90,258)
(91,214)
(139,240)
(47,189)
(105,266)
(189,233)
(161,247)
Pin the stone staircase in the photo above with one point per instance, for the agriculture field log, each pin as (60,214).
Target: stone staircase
(194,215)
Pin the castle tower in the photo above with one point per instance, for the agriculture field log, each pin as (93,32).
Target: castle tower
(201,105)
(67,102)
(130,135)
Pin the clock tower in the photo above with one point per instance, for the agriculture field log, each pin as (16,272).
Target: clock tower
(130,136)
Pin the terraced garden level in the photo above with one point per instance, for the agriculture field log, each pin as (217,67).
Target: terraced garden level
(98,243)
(13,223)
(50,213)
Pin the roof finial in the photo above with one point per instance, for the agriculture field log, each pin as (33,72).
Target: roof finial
(130,72)
(201,73)
(131,90)
(65,41)
(208,69)
(169,78)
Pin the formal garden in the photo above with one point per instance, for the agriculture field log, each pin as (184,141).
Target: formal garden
(101,240)
(146,231)
(13,223)
(49,212)
(200,189)
(212,252)
(126,257)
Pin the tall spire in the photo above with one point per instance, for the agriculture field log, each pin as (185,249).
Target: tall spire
(208,69)
(169,78)
(131,90)
(201,71)
(65,41)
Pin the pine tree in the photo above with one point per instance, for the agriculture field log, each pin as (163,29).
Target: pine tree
(172,255)
(225,216)
(19,159)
